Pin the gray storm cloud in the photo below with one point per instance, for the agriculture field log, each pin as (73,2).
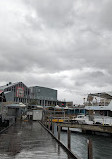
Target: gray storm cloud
(64,44)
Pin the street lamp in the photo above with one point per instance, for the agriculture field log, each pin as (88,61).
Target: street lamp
(84,101)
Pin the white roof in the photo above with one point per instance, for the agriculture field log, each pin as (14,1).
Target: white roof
(107,95)
(97,108)
(109,107)
(15,105)
(66,107)
(57,107)
(22,105)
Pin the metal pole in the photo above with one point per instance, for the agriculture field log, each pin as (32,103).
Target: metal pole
(64,115)
(69,139)
(90,153)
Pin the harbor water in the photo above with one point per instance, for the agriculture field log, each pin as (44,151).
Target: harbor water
(102,145)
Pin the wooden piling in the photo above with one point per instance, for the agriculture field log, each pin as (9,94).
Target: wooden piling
(49,124)
(55,130)
(46,123)
(59,133)
(52,127)
(69,138)
(90,153)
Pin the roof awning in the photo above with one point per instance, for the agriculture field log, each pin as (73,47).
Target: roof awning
(19,105)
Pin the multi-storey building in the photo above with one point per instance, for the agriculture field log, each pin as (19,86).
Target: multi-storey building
(43,95)
(19,92)
(15,92)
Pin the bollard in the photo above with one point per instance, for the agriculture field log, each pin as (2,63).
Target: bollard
(69,139)
(90,153)
(59,133)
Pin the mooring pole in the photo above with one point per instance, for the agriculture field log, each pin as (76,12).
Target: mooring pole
(69,139)
(53,127)
(46,123)
(90,153)
(43,117)
(55,130)
(49,124)
(59,133)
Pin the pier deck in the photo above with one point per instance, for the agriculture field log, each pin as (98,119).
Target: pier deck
(27,140)
(85,127)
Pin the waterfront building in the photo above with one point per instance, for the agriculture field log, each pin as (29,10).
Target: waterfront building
(19,92)
(43,96)
(15,92)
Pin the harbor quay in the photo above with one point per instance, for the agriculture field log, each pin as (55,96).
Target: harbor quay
(36,111)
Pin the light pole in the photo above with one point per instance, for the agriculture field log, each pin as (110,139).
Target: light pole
(84,101)
(99,98)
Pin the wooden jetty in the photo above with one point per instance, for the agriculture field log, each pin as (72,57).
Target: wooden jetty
(31,140)
(88,128)
(55,128)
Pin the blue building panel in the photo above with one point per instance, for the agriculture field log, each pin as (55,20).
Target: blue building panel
(43,93)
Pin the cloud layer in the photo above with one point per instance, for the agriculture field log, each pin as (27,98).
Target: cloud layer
(66,45)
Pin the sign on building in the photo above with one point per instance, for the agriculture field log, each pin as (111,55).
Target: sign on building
(20,92)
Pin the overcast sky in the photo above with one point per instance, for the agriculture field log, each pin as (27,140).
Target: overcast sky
(61,44)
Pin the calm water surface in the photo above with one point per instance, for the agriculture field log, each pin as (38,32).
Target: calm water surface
(102,145)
